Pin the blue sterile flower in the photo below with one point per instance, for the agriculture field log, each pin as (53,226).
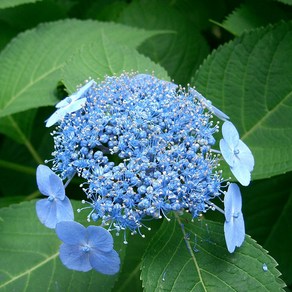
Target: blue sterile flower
(234,229)
(70,104)
(143,147)
(57,206)
(87,248)
(236,154)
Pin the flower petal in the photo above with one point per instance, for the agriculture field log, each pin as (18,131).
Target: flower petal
(232,201)
(71,232)
(234,232)
(64,210)
(75,106)
(49,183)
(245,156)
(82,90)
(74,258)
(56,116)
(227,152)
(241,172)
(99,238)
(234,229)
(230,134)
(46,211)
(105,263)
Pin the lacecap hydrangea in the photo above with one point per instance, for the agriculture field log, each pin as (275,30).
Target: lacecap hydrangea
(144,147)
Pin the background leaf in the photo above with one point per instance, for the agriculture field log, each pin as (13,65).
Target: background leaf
(251,15)
(106,58)
(30,75)
(11,3)
(30,15)
(198,260)
(33,250)
(180,53)
(249,79)
(18,126)
(267,210)
(289,2)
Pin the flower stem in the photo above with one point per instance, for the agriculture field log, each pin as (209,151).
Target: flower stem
(25,140)
(17,167)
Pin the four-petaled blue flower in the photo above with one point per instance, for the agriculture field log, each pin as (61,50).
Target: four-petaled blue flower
(70,104)
(236,154)
(87,248)
(57,206)
(234,229)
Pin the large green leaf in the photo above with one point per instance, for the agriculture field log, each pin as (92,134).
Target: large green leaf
(106,58)
(249,79)
(281,233)
(251,15)
(12,3)
(267,210)
(195,258)
(30,15)
(181,52)
(32,63)
(29,256)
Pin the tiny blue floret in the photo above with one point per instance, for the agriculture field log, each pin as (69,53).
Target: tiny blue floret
(57,207)
(88,248)
(70,104)
(236,154)
(234,229)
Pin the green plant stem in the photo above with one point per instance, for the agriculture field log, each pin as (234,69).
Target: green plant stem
(17,167)
(26,142)
(32,196)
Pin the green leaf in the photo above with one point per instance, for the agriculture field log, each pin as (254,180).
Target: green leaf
(181,52)
(289,2)
(267,208)
(28,16)
(12,3)
(106,58)
(29,256)
(195,258)
(278,235)
(251,15)
(200,12)
(18,126)
(129,279)
(249,79)
(32,62)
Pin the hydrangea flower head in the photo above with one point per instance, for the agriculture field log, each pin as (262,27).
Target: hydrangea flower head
(68,105)
(57,207)
(236,154)
(143,148)
(88,248)
(234,229)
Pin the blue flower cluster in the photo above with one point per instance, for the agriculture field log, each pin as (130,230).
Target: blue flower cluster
(144,147)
